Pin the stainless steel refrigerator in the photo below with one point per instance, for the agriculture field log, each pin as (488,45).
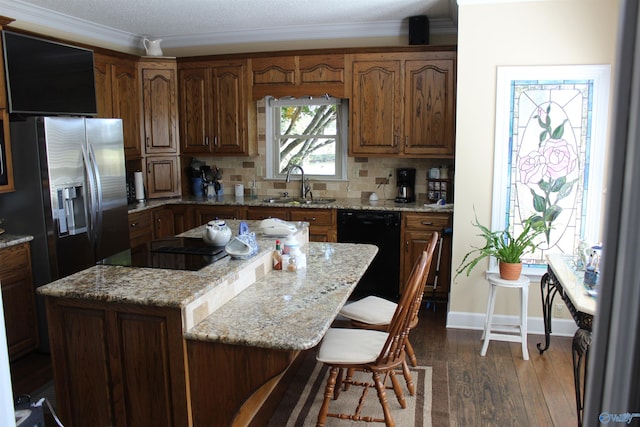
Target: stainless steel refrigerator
(70,193)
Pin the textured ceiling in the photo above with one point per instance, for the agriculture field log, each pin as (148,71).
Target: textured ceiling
(185,22)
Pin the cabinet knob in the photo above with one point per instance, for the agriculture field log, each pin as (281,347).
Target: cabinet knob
(310,219)
(148,142)
(206,140)
(133,225)
(215,141)
(426,223)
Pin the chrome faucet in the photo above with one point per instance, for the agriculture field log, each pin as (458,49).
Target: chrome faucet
(304,187)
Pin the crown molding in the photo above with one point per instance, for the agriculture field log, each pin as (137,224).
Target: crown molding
(307,32)
(34,15)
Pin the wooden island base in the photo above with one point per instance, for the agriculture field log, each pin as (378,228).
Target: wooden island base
(254,381)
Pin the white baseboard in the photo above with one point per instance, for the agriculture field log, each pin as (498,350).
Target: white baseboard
(535,325)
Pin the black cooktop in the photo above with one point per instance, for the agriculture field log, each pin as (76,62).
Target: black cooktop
(174,253)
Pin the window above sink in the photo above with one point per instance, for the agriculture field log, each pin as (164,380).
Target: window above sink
(310,132)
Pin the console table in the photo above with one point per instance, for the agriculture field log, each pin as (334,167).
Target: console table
(561,278)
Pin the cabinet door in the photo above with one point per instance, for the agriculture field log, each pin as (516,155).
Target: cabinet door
(163,176)
(140,230)
(102,75)
(6,162)
(160,111)
(18,300)
(126,105)
(182,218)
(376,109)
(322,223)
(204,214)
(230,110)
(111,360)
(196,133)
(258,213)
(163,225)
(117,95)
(417,229)
(429,107)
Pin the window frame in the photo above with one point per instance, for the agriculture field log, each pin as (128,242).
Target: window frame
(593,184)
(272,122)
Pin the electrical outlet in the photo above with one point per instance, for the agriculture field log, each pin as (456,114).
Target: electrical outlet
(389,173)
(559,309)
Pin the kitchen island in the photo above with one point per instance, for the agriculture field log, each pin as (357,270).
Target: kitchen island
(142,346)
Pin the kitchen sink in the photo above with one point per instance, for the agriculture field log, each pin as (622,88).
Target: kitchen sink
(298,201)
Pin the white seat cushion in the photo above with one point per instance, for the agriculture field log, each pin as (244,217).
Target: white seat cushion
(372,310)
(344,345)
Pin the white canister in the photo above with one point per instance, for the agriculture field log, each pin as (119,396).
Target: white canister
(239,190)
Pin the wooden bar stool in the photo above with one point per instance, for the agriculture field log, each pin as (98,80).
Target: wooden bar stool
(513,333)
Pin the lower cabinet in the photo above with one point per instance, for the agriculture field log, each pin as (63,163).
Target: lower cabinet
(203,214)
(417,229)
(118,364)
(18,300)
(163,222)
(322,223)
(140,229)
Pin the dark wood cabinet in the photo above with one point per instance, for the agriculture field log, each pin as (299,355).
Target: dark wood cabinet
(163,223)
(298,75)
(203,214)
(323,223)
(182,218)
(140,229)
(6,161)
(213,108)
(163,176)
(118,95)
(417,229)
(18,300)
(159,104)
(118,364)
(403,104)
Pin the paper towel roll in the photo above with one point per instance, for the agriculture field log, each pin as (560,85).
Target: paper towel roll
(139,186)
(239,190)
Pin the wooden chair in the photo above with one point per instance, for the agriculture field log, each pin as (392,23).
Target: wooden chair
(377,352)
(375,313)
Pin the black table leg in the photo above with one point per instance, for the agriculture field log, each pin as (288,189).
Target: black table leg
(580,355)
(548,290)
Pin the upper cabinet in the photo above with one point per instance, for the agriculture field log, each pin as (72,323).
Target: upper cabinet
(298,75)
(403,104)
(159,106)
(118,95)
(214,108)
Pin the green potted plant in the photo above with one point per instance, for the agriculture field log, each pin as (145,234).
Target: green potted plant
(508,249)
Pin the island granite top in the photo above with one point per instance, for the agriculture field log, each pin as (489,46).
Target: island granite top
(290,310)
(229,301)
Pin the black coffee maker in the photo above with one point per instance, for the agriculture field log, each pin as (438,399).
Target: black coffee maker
(406,182)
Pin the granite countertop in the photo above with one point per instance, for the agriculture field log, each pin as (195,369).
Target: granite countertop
(7,239)
(236,301)
(290,310)
(340,203)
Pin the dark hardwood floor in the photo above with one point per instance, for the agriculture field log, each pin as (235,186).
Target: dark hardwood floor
(499,389)
(31,372)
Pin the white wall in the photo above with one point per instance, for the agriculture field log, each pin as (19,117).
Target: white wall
(7,414)
(491,34)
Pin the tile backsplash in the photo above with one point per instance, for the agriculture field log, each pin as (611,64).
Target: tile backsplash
(365,174)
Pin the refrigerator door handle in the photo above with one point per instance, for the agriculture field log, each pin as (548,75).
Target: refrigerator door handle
(92,195)
(98,188)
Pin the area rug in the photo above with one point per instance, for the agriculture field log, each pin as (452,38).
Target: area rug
(301,402)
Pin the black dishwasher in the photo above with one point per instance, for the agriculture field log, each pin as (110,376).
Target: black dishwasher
(381,228)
